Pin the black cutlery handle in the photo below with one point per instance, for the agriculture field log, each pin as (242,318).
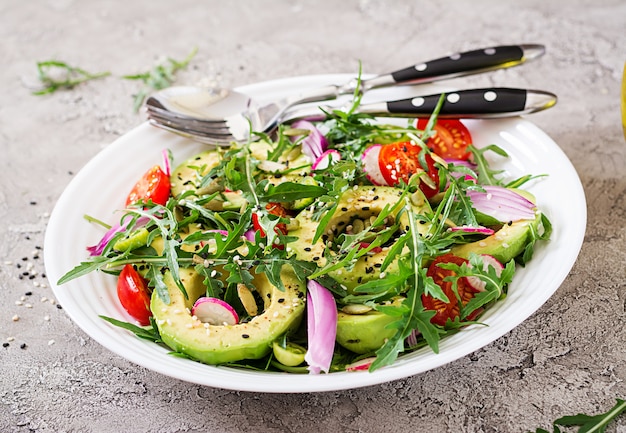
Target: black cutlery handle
(483,103)
(468,62)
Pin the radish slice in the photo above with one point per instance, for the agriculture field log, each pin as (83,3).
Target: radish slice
(214,311)
(361,364)
(369,159)
(326,159)
(467,229)
(477,283)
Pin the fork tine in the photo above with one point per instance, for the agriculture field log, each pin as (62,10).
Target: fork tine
(189,124)
(192,136)
(176,117)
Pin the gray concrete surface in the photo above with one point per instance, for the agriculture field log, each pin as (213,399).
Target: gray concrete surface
(569,357)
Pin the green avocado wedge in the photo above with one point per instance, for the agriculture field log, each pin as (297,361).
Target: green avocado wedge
(222,344)
(365,333)
(505,244)
(356,204)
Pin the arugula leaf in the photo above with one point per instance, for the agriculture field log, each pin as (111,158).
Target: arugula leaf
(288,191)
(589,423)
(160,77)
(146,333)
(56,75)
(155,278)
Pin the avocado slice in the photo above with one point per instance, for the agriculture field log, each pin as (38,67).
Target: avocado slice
(505,244)
(364,333)
(359,203)
(222,344)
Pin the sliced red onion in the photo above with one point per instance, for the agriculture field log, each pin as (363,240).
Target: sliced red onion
(411,340)
(166,163)
(326,159)
(502,204)
(478,230)
(222,232)
(250,235)
(476,282)
(321,327)
(371,167)
(214,311)
(97,249)
(314,144)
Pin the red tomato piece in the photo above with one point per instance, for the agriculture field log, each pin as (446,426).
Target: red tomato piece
(448,310)
(273,209)
(451,138)
(154,185)
(134,294)
(399,161)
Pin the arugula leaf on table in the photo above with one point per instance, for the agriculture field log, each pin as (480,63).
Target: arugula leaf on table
(160,77)
(589,423)
(55,75)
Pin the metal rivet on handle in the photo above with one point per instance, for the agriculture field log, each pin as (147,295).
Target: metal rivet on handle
(455,56)
(421,67)
(490,51)
(490,96)
(453,98)
(418,102)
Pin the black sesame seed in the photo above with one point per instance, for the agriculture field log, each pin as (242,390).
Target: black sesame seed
(5,344)
(307,249)
(366,208)
(245,336)
(59,307)
(281,300)
(23,346)
(28,293)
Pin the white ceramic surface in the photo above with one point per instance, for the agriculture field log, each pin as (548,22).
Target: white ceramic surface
(101,186)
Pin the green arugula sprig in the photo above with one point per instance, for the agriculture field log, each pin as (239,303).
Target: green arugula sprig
(588,423)
(159,77)
(56,75)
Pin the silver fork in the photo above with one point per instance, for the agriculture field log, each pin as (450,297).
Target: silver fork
(230,116)
(472,103)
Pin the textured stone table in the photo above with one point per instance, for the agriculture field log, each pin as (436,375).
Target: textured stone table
(568,357)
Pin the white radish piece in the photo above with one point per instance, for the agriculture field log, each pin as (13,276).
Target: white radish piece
(371,166)
(326,159)
(477,283)
(214,311)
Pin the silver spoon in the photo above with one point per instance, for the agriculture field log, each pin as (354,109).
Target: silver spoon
(239,114)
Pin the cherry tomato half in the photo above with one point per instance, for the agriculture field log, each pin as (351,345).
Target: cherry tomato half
(451,138)
(134,295)
(273,209)
(399,161)
(447,310)
(154,185)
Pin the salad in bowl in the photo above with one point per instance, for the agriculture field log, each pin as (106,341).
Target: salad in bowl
(332,245)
